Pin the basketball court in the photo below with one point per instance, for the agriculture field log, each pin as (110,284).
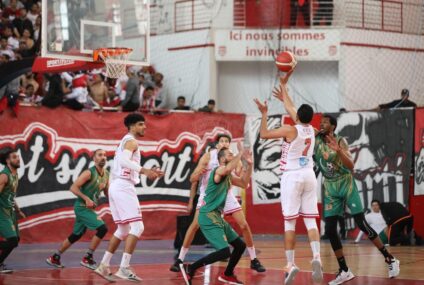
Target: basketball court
(152,260)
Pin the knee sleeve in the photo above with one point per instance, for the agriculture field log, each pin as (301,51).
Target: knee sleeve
(136,228)
(122,231)
(331,232)
(12,242)
(101,231)
(289,225)
(310,223)
(364,226)
(73,237)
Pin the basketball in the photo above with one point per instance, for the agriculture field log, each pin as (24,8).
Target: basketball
(285,61)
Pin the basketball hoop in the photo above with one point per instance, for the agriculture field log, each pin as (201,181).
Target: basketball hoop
(115,60)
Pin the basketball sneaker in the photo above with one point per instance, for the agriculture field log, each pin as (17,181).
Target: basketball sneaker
(394,268)
(127,273)
(54,260)
(291,274)
(229,279)
(104,271)
(176,266)
(4,269)
(88,261)
(342,277)
(317,274)
(255,264)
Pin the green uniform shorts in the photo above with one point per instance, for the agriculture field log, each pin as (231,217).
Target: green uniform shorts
(216,230)
(339,192)
(85,218)
(8,223)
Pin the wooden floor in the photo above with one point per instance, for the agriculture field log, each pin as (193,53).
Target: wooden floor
(152,259)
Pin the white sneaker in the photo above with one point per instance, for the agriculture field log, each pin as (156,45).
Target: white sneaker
(317,274)
(342,277)
(394,268)
(104,271)
(126,273)
(291,274)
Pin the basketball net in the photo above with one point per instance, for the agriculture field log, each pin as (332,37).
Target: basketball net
(115,60)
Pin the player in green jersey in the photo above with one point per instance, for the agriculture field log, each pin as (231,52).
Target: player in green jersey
(333,158)
(87,188)
(8,207)
(216,230)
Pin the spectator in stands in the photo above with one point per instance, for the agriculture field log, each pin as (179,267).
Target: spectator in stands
(399,221)
(26,36)
(29,79)
(302,6)
(37,28)
(324,12)
(160,96)
(376,221)
(210,107)
(98,88)
(55,92)
(12,41)
(181,104)
(5,49)
(148,103)
(29,94)
(22,23)
(78,97)
(4,58)
(12,10)
(131,101)
(23,51)
(400,103)
(33,13)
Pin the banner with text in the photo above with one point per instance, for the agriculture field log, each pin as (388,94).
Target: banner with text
(419,152)
(380,146)
(265,45)
(56,145)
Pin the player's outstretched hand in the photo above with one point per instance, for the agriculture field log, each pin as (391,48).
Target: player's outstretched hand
(332,143)
(153,173)
(262,107)
(278,93)
(247,156)
(284,79)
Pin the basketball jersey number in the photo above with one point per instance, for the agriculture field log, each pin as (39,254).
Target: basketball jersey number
(307,146)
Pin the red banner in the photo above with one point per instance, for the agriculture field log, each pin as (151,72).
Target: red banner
(55,147)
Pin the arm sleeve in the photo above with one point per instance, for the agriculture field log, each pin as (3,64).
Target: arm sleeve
(125,161)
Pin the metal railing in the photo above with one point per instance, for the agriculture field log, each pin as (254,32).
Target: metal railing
(191,15)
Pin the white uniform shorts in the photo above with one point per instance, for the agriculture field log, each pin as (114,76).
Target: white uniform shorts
(231,203)
(123,202)
(298,194)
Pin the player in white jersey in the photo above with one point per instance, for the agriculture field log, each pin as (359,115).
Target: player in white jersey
(298,182)
(207,163)
(123,201)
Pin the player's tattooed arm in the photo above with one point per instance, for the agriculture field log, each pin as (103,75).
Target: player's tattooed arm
(19,211)
(244,180)
(3,181)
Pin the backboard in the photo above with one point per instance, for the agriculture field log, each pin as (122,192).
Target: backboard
(72,29)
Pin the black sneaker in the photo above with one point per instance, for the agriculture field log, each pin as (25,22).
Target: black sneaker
(4,269)
(255,264)
(176,266)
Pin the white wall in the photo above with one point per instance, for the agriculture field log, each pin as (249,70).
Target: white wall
(314,83)
(371,76)
(187,72)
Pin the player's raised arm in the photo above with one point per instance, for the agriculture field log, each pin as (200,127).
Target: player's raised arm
(76,188)
(342,150)
(201,168)
(281,93)
(282,132)
(229,167)
(244,180)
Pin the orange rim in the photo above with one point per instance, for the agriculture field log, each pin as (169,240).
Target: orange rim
(100,53)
